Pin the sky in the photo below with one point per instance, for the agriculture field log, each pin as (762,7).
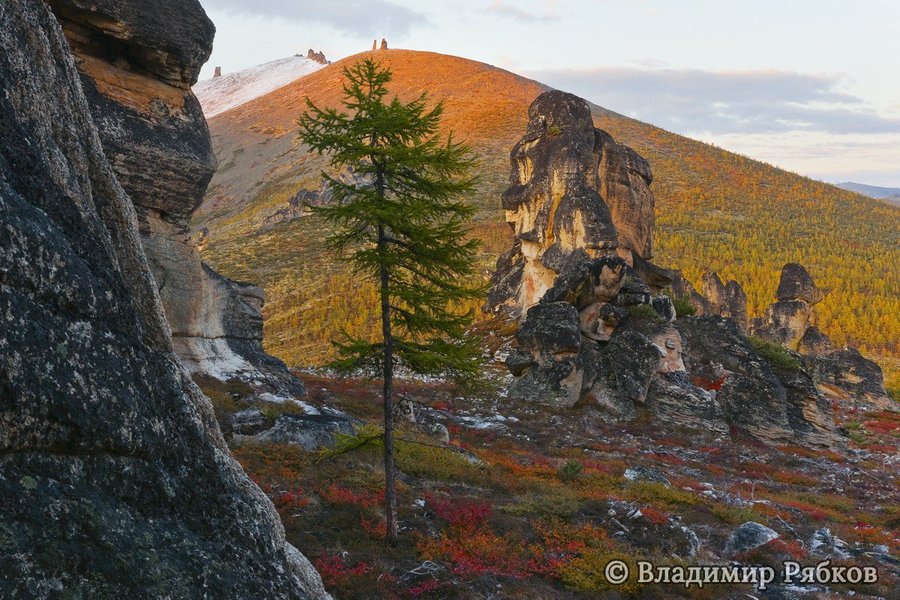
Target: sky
(808,85)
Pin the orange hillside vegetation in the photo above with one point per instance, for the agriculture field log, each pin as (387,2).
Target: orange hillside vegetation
(740,217)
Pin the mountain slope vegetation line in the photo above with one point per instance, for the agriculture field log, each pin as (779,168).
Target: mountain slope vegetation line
(739,217)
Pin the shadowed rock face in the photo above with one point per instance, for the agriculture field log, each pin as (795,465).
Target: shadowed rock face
(138,60)
(572,188)
(846,375)
(114,478)
(726,300)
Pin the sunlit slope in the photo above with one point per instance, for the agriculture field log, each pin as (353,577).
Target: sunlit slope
(742,218)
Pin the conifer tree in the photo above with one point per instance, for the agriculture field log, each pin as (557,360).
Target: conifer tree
(401,221)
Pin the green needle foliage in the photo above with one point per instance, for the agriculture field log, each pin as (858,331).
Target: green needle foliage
(400,221)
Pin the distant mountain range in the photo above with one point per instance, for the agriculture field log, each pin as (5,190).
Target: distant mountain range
(892,195)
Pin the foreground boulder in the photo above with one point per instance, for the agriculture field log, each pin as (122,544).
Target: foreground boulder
(138,60)
(749,536)
(114,478)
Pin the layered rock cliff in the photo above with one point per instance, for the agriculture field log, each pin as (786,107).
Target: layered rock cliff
(114,478)
(596,332)
(138,61)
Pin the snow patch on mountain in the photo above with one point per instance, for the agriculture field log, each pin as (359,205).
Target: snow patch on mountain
(220,94)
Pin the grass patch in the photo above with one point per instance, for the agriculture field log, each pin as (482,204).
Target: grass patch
(683,307)
(773,353)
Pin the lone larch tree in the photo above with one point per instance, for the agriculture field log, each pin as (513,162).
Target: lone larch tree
(401,221)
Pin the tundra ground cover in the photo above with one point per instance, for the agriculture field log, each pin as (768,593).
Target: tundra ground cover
(503,511)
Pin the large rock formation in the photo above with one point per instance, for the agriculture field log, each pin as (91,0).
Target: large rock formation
(572,189)
(114,479)
(138,61)
(593,333)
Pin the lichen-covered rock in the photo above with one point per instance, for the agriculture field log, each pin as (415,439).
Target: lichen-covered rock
(684,290)
(551,337)
(625,180)
(571,187)
(114,478)
(598,328)
(848,376)
(752,391)
(138,60)
(309,432)
(749,536)
(814,342)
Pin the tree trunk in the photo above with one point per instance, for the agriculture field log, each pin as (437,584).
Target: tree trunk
(390,495)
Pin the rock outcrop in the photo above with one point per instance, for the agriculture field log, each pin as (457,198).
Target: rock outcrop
(138,61)
(725,300)
(114,478)
(786,321)
(573,189)
(318,57)
(595,332)
(847,376)
(844,375)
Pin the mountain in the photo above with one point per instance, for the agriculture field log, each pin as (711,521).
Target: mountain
(740,217)
(223,93)
(872,191)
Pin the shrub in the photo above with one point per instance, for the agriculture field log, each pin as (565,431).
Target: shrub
(437,463)
(683,307)
(655,516)
(775,354)
(569,471)
(650,492)
(585,573)
(336,494)
(643,312)
(460,512)
(335,570)
(472,554)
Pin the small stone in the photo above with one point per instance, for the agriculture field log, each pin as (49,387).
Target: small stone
(747,537)
(645,474)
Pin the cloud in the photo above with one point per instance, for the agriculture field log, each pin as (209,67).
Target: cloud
(354,17)
(504,9)
(694,101)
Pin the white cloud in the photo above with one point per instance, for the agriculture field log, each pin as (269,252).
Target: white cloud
(694,101)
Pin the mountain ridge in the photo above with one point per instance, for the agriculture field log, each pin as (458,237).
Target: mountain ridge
(712,205)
